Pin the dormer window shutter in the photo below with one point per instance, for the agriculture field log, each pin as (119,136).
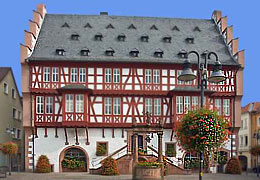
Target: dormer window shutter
(60,52)
(158,53)
(110,52)
(98,37)
(134,52)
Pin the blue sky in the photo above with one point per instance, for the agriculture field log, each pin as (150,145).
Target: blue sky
(243,15)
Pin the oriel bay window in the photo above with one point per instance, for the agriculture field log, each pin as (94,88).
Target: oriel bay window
(112,106)
(179,104)
(226,107)
(74,103)
(218,106)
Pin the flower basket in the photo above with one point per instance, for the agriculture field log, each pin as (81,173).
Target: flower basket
(101,150)
(10,148)
(202,130)
(73,164)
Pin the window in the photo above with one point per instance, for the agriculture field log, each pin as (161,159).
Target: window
(226,107)
(186,103)
(134,52)
(110,52)
(218,106)
(5,88)
(14,113)
(82,75)
(242,124)
(18,134)
(55,74)
(60,52)
(46,74)
(179,73)
(157,106)
(121,37)
(84,52)
(158,53)
(49,105)
(156,76)
(190,40)
(148,105)
(148,76)
(144,38)
(19,115)
(195,102)
(116,75)
(13,93)
(117,106)
(69,102)
(108,75)
(258,121)
(241,141)
(102,148)
(170,149)
(98,37)
(245,121)
(179,104)
(79,103)
(39,104)
(108,106)
(246,140)
(167,39)
(73,75)
(75,37)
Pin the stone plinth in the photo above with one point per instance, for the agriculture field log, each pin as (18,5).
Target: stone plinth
(147,173)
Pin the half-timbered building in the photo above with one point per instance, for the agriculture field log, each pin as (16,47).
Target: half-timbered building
(87,78)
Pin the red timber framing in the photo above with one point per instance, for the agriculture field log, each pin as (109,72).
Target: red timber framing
(131,88)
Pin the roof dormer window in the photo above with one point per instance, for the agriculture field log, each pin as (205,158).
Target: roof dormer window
(197,29)
(110,26)
(65,25)
(158,53)
(84,52)
(121,37)
(182,54)
(175,28)
(190,40)
(60,52)
(144,38)
(75,37)
(110,52)
(153,27)
(131,26)
(167,39)
(134,52)
(98,37)
(87,26)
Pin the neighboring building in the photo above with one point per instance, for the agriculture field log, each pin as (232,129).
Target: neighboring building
(11,122)
(250,124)
(87,78)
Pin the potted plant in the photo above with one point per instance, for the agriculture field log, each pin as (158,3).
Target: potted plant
(43,165)
(142,151)
(73,164)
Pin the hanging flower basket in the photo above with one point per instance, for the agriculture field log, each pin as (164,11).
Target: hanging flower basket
(202,130)
(9,148)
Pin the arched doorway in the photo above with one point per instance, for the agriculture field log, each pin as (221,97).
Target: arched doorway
(243,162)
(74,159)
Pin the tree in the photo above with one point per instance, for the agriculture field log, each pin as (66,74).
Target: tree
(43,165)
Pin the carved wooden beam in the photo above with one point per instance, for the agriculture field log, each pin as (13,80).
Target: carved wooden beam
(77,139)
(35,132)
(87,141)
(103,132)
(113,133)
(66,136)
(45,132)
(56,132)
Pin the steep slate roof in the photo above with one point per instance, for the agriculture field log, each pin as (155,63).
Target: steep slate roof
(3,72)
(53,36)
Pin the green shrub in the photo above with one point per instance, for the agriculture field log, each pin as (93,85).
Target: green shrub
(149,164)
(43,165)
(72,163)
(233,166)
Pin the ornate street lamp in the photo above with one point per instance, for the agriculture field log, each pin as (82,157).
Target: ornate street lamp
(11,132)
(215,77)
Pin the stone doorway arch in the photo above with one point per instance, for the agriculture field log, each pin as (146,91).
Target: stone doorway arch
(243,162)
(76,152)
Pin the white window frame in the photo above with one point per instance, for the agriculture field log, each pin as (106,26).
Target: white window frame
(5,88)
(179,104)
(69,103)
(39,104)
(226,107)
(108,75)
(218,106)
(148,76)
(79,103)
(157,106)
(49,105)
(108,105)
(116,75)
(195,102)
(187,106)
(46,74)
(156,76)
(13,93)
(117,106)
(179,81)
(82,75)
(55,74)
(148,105)
(18,135)
(74,75)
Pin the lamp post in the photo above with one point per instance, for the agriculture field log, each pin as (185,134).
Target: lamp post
(216,77)
(257,136)
(11,132)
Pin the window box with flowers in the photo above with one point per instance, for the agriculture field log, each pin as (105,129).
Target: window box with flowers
(101,149)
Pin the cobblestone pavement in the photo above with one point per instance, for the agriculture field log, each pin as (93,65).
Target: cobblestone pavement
(83,176)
